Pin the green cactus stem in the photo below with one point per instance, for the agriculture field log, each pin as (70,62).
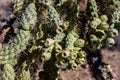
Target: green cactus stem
(55,17)
(8,72)
(25,75)
(16,46)
(116,12)
(93,9)
(70,39)
(59,37)
(29,17)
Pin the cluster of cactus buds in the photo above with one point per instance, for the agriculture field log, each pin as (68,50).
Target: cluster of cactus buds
(100,32)
(73,53)
(52,44)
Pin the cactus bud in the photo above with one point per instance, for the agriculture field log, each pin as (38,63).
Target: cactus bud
(100,33)
(69,49)
(46,56)
(110,42)
(65,54)
(49,42)
(59,30)
(76,48)
(71,61)
(93,38)
(104,18)
(113,32)
(58,48)
(94,24)
(59,63)
(82,54)
(73,66)
(73,56)
(97,20)
(103,26)
(80,60)
(66,25)
(79,43)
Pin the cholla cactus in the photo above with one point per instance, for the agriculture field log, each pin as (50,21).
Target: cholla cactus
(7,54)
